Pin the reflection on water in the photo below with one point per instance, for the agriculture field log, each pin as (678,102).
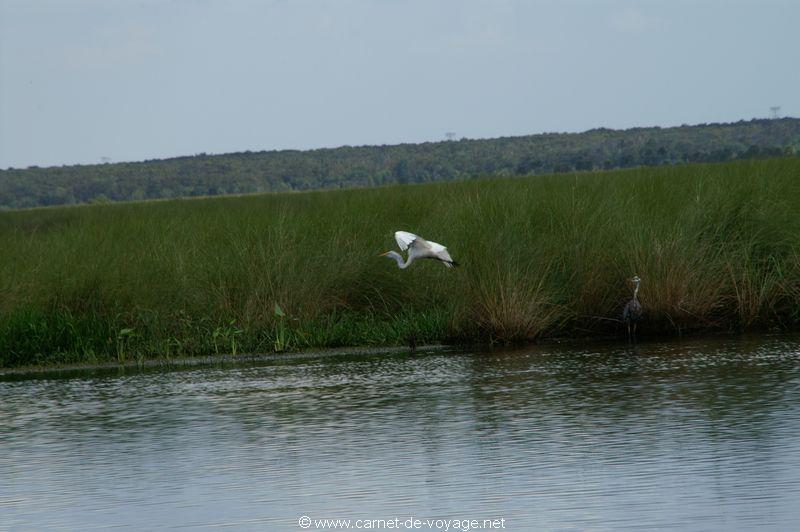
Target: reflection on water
(690,435)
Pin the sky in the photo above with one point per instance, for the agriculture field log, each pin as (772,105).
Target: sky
(87,81)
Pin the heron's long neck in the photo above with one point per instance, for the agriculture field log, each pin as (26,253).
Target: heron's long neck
(399,258)
(636,291)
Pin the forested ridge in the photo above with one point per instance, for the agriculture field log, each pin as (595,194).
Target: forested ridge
(366,166)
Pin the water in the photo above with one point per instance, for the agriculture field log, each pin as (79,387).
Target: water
(698,435)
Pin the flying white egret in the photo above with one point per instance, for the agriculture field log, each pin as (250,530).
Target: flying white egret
(418,248)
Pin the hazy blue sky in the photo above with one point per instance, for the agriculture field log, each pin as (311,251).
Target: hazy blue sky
(132,80)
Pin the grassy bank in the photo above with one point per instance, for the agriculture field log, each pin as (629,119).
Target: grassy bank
(717,247)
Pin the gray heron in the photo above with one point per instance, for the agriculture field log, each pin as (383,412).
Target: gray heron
(632,313)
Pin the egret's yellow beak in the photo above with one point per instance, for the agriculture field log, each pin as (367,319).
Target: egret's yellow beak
(383,254)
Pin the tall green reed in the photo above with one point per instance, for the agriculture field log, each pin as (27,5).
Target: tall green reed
(716,247)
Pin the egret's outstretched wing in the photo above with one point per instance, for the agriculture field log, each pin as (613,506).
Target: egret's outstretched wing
(404,239)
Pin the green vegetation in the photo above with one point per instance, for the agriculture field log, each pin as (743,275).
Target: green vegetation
(717,247)
(368,166)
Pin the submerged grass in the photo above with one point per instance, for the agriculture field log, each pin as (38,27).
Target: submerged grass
(717,247)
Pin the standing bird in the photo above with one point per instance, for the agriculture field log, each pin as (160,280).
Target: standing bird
(418,248)
(632,313)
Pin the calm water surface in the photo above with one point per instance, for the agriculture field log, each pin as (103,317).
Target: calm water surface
(699,435)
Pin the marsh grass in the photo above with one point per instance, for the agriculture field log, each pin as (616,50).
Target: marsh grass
(716,247)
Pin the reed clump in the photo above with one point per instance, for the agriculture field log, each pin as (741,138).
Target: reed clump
(716,245)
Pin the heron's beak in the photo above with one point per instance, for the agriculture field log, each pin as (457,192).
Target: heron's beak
(383,254)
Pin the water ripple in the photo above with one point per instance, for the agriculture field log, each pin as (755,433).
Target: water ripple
(701,434)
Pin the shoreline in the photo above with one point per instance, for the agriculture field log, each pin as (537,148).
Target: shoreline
(210,360)
(221,360)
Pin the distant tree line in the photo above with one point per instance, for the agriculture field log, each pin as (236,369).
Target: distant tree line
(366,166)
